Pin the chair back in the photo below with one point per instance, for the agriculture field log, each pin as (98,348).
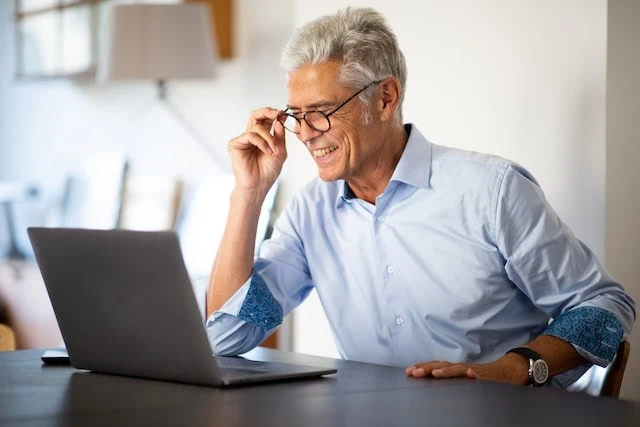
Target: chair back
(613,378)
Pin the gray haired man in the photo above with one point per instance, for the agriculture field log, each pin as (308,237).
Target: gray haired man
(447,262)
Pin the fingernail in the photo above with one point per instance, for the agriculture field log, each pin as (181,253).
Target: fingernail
(419,372)
(436,372)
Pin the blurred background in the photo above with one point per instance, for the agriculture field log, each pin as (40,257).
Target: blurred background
(117,113)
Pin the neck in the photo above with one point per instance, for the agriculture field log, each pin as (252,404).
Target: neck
(378,173)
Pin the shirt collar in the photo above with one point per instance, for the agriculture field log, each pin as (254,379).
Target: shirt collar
(414,167)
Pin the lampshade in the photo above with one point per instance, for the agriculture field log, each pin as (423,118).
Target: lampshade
(159,42)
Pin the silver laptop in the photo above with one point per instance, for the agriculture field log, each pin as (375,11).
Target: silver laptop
(125,306)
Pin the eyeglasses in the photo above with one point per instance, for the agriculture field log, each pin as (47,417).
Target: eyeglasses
(317,120)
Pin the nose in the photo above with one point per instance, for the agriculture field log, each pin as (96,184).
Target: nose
(307,133)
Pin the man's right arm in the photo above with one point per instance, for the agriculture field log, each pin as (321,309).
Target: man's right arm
(257,157)
(234,261)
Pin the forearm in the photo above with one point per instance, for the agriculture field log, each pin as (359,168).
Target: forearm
(560,355)
(234,260)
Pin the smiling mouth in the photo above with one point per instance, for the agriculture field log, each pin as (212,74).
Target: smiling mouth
(323,152)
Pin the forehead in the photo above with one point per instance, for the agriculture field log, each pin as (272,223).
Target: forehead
(313,84)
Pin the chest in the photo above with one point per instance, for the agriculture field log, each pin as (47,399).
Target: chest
(425,252)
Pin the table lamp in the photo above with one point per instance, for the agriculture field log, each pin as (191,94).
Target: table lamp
(161,42)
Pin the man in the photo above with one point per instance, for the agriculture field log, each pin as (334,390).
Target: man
(447,262)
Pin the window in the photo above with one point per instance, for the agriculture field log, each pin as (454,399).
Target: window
(56,37)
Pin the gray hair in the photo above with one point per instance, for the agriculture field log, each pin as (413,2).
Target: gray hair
(361,40)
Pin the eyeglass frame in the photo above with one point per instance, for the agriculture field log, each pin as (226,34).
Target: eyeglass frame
(326,115)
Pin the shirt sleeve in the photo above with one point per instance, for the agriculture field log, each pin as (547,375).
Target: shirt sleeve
(280,282)
(558,272)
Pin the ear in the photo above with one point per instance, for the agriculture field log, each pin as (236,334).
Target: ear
(389,99)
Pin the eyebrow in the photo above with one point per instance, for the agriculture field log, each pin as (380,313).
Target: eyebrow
(315,105)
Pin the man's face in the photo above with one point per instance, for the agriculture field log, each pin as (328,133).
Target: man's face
(347,149)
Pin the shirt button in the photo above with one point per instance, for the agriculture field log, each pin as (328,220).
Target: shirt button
(391,269)
(399,320)
(381,219)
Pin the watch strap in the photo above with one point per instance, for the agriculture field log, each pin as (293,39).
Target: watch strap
(533,357)
(527,352)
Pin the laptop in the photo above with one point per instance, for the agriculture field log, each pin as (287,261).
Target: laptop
(125,306)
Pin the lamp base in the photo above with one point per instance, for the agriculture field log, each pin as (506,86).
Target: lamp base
(163,96)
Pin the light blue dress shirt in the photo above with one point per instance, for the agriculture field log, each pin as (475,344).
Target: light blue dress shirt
(460,259)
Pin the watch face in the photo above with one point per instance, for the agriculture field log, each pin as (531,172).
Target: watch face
(540,371)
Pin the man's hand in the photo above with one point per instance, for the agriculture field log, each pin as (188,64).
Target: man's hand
(510,368)
(258,154)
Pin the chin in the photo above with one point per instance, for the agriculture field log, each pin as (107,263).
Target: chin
(328,176)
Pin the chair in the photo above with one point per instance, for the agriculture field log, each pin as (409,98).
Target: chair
(7,338)
(613,378)
(150,203)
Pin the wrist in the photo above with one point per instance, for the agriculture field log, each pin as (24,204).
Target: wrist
(248,197)
(518,365)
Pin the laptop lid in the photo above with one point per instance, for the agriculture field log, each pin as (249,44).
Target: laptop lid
(124,303)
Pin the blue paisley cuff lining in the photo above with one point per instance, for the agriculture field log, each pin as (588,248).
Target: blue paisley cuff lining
(594,332)
(260,308)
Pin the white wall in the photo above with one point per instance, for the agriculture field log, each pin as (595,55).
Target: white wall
(623,154)
(522,79)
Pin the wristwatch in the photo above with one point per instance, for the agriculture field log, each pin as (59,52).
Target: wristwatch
(538,368)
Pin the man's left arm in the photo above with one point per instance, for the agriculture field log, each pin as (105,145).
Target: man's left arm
(561,275)
(510,368)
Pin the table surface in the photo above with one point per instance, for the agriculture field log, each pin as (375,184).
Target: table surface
(360,394)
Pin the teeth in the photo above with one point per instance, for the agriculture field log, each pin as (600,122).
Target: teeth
(324,151)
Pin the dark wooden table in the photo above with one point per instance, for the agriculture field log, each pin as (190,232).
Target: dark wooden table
(360,394)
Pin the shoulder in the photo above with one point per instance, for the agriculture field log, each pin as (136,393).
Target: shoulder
(314,198)
(470,169)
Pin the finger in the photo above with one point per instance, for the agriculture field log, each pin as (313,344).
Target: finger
(249,140)
(278,130)
(471,374)
(420,369)
(261,116)
(425,369)
(264,134)
(452,371)
(279,134)
(422,364)
(279,138)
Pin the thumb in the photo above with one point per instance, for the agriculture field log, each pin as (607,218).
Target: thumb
(471,374)
(279,136)
(278,131)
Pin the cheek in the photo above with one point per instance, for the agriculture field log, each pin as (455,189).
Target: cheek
(343,138)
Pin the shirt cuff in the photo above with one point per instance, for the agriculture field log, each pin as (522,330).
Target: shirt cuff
(233,304)
(260,308)
(566,379)
(252,303)
(594,332)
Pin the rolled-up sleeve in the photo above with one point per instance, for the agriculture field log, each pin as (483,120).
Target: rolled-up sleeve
(558,272)
(279,282)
